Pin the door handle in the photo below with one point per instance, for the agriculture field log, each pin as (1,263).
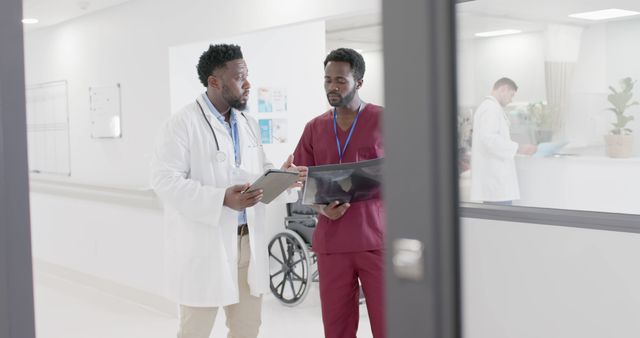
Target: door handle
(408,259)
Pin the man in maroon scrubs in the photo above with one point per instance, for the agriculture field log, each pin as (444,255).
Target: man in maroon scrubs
(348,239)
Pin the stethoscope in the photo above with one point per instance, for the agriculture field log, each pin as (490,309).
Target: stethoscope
(220,155)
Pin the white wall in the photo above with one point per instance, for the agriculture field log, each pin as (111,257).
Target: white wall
(590,183)
(586,122)
(99,238)
(483,61)
(110,239)
(622,61)
(129,44)
(373,86)
(606,56)
(531,281)
(468,96)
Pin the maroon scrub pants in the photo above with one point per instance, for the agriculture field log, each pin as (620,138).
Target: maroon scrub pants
(339,292)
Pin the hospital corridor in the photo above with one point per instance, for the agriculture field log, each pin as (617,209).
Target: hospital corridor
(319,169)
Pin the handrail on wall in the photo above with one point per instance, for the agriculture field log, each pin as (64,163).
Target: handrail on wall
(132,197)
(146,198)
(569,218)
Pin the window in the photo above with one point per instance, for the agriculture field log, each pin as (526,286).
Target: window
(568,137)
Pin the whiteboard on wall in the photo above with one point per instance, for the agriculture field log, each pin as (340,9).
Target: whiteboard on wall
(48,128)
(287,59)
(105,111)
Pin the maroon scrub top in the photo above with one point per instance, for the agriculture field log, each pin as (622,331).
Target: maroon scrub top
(361,228)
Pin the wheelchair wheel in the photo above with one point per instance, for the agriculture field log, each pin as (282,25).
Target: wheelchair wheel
(289,266)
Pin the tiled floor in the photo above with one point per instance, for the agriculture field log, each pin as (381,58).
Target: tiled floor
(68,310)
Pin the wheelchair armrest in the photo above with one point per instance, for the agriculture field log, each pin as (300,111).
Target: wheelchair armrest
(301,219)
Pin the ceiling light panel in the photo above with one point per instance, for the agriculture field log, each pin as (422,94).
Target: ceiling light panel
(498,33)
(605,14)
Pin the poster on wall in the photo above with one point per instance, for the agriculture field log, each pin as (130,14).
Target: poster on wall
(279,99)
(273,130)
(264,100)
(272,100)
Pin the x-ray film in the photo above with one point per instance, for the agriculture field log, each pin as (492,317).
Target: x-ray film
(348,182)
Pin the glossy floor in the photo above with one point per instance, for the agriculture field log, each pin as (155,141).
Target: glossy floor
(65,309)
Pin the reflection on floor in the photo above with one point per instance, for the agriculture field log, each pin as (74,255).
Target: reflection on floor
(65,309)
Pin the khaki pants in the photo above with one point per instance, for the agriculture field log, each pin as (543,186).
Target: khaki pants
(243,318)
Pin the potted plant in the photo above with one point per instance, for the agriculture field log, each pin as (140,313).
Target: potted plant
(541,117)
(620,141)
(465,127)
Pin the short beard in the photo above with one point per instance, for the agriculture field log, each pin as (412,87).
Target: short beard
(234,102)
(238,104)
(344,100)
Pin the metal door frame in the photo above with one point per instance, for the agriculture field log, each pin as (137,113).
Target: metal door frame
(16,280)
(421,188)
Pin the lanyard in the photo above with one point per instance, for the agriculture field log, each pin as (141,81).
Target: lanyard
(341,151)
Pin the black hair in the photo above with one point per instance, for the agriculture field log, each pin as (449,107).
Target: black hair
(505,81)
(214,58)
(352,57)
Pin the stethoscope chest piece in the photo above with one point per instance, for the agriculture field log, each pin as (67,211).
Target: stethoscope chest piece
(221,156)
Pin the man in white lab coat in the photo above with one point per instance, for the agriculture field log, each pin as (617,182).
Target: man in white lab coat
(215,236)
(493,169)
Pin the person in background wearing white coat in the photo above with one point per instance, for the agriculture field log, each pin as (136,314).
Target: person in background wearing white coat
(215,236)
(493,168)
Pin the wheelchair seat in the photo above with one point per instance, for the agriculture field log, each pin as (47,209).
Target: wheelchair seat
(302,219)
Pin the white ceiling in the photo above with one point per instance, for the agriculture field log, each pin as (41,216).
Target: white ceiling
(530,15)
(542,10)
(476,16)
(364,32)
(50,12)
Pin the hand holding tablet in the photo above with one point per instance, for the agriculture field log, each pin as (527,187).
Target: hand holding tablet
(273,182)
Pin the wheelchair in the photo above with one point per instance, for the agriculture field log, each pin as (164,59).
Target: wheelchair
(292,264)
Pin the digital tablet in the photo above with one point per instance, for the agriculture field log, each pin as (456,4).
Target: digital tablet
(546,149)
(273,182)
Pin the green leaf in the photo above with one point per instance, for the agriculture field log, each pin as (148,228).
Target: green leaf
(621,100)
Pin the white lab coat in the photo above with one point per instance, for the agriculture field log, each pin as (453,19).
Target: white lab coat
(493,168)
(201,233)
